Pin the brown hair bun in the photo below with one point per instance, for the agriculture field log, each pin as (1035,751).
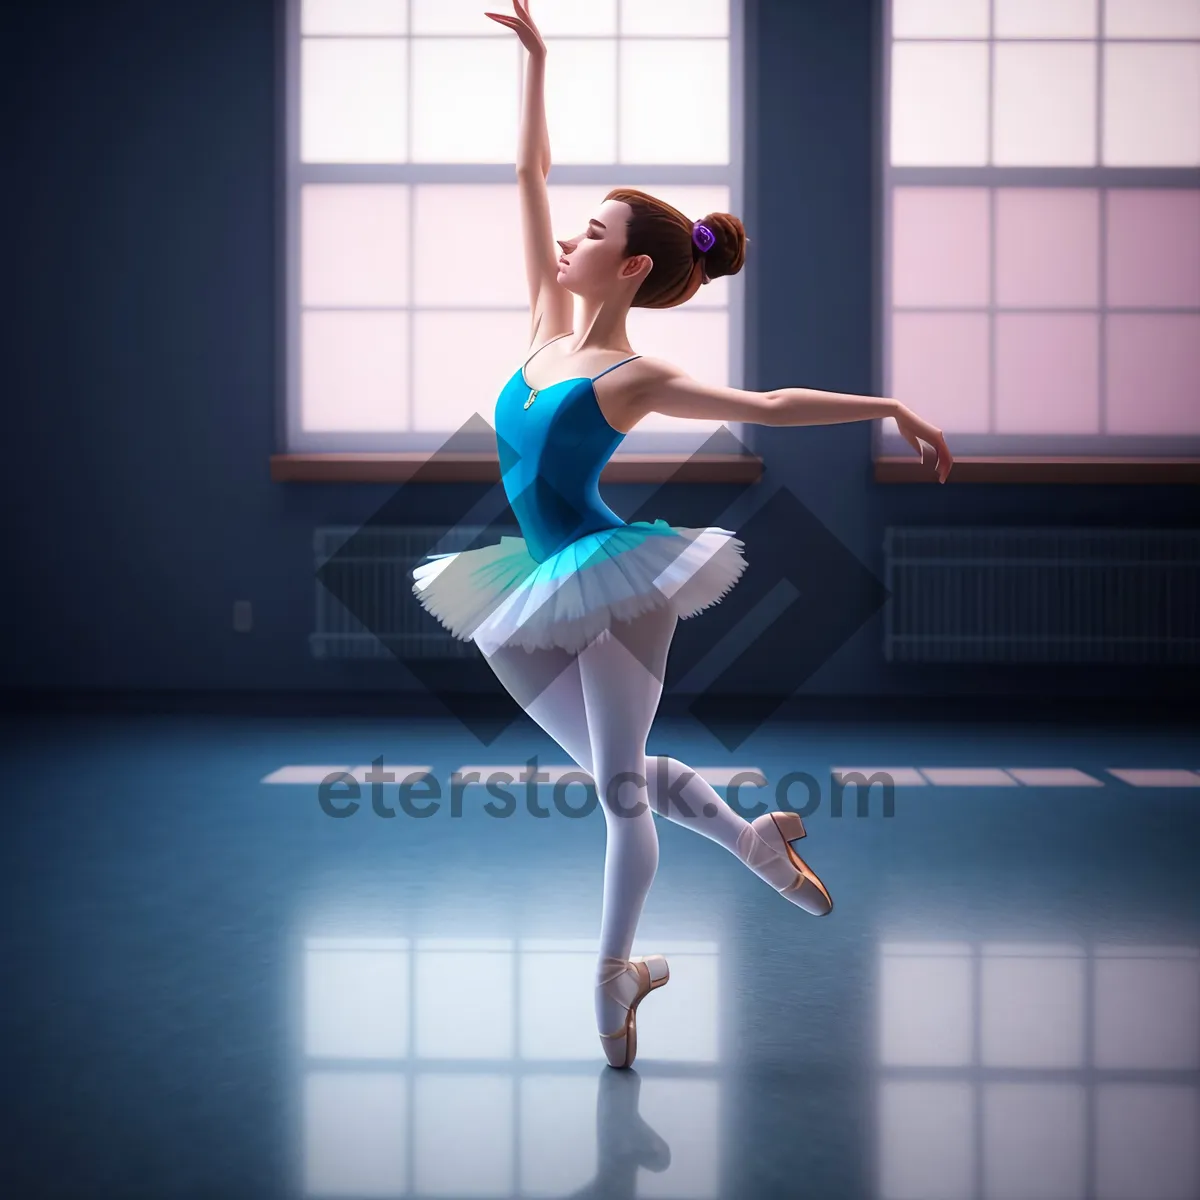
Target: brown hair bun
(661,231)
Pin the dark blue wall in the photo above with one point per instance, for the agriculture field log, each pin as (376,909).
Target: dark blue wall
(141,348)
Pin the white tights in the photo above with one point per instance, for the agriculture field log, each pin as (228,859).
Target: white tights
(598,706)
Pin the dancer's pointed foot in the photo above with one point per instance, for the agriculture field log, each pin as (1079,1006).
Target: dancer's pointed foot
(764,847)
(622,987)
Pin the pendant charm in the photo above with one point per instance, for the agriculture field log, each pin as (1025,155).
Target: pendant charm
(532,397)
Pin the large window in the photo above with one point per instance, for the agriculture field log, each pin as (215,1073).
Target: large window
(1042,224)
(407,303)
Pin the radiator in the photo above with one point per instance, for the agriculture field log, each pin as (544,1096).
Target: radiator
(370,612)
(1042,596)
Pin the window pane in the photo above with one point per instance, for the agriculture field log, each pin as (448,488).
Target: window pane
(1146,1140)
(581,100)
(565,17)
(940,368)
(1153,248)
(353,100)
(462,361)
(698,342)
(354,371)
(1152,18)
(354,244)
(1152,106)
(354,16)
(1147,1014)
(939,105)
(447,1022)
(940,246)
(1048,247)
(926,1140)
(462,16)
(1045,18)
(1045,112)
(675,102)
(467,246)
(557,1110)
(444,1106)
(1031,1010)
(1047,375)
(355,1133)
(656,18)
(356,1001)
(1153,373)
(465,94)
(926,1011)
(560,19)
(1034,1140)
(939,18)
(683,1111)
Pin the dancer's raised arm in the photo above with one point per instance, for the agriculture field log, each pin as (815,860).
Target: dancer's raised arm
(550,303)
(666,389)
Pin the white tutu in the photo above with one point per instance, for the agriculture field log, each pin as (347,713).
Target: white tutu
(500,595)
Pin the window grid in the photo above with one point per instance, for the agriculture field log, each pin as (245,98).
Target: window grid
(410,366)
(1102,280)
(411,174)
(1100,177)
(992,366)
(1040,40)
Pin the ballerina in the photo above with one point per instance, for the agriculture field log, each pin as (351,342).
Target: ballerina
(576,616)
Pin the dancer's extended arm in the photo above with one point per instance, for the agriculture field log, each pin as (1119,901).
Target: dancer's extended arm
(550,303)
(667,389)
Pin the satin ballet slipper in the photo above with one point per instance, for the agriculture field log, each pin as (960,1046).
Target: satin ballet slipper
(764,847)
(629,983)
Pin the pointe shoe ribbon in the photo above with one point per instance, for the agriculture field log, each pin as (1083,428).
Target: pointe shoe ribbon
(628,982)
(764,847)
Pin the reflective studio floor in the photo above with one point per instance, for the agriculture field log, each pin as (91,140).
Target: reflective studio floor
(215,988)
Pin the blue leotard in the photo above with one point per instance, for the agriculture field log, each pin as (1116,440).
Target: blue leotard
(577,566)
(551,453)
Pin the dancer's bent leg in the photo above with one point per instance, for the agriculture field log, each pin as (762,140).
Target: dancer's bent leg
(548,687)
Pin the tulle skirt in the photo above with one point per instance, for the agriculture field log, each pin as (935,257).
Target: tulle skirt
(499,595)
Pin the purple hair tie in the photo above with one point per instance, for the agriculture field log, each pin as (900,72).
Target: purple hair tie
(704,239)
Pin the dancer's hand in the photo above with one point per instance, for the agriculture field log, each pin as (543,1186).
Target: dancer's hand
(916,432)
(522,24)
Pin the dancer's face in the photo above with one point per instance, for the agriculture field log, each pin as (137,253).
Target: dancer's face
(594,263)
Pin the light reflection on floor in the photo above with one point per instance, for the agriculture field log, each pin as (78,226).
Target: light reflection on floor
(467,1067)
(1038,1069)
(214,988)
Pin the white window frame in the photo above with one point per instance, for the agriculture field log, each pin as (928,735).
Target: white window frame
(886,440)
(295,174)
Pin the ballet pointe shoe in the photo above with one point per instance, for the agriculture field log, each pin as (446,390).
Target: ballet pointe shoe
(629,983)
(764,847)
